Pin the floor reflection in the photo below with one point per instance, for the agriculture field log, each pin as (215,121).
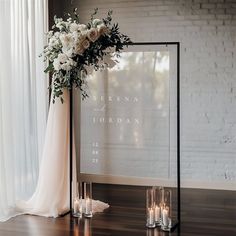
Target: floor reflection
(82,227)
(159,232)
(76,227)
(87,227)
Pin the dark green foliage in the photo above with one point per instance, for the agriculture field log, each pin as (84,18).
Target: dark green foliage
(95,53)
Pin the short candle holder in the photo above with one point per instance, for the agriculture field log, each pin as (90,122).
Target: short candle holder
(77,204)
(77,207)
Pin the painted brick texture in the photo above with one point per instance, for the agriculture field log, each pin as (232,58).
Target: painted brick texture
(206,30)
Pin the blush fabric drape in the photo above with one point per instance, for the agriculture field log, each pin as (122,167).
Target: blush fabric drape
(51,197)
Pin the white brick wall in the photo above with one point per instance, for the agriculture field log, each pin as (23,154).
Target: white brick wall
(207,32)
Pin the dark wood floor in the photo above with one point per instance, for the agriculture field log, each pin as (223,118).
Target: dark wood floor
(204,213)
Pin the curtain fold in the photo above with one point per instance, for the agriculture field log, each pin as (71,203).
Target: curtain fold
(23,100)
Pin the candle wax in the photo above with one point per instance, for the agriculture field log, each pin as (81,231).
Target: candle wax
(76,206)
(157,213)
(151,216)
(87,206)
(165,217)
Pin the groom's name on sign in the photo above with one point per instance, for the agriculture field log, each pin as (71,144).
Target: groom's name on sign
(115,120)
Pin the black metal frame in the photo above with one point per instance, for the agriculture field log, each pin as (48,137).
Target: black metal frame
(71,143)
(177,44)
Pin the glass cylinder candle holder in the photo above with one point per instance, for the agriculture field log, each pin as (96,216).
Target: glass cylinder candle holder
(88,208)
(77,204)
(77,207)
(166,211)
(158,202)
(150,217)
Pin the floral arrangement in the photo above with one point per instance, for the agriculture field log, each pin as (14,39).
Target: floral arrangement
(74,50)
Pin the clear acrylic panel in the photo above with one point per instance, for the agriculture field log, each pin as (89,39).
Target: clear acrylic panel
(129,122)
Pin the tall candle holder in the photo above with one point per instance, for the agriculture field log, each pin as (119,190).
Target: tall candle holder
(77,201)
(158,203)
(150,220)
(88,212)
(166,221)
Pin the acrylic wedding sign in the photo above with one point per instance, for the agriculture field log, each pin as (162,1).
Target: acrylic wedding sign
(129,122)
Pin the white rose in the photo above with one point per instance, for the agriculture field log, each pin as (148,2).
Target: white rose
(102,29)
(57,34)
(68,64)
(67,40)
(85,43)
(68,51)
(66,67)
(97,22)
(82,27)
(53,42)
(92,34)
(56,64)
(83,35)
(73,27)
(75,35)
(79,49)
(72,62)
(62,37)
(62,58)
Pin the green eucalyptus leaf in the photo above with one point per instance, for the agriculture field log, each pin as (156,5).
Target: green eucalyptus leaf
(49,68)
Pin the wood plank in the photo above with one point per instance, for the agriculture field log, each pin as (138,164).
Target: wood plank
(204,212)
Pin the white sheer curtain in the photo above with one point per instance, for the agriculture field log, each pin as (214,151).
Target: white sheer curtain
(23,99)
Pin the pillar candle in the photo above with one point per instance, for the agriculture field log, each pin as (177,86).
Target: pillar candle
(165,217)
(76,206)
(157,213)
(88,206)
(151,216)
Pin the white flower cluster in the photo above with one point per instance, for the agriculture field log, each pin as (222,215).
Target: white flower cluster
(72,39)
(75,50)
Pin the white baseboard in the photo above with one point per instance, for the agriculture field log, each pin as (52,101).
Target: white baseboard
(109,179)
(209,185)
